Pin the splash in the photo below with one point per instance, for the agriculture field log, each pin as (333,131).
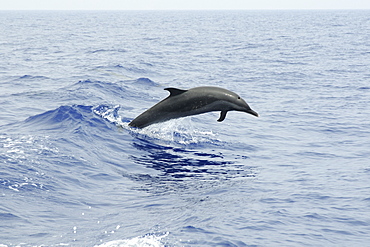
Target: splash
(148,240)
(109,113)
(181,131)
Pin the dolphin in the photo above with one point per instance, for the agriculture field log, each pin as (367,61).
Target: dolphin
(182,103)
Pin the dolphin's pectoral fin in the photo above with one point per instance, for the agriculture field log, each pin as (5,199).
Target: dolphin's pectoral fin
(222,116)
(175,91)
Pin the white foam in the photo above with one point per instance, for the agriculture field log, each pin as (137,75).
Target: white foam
(108,112)
(143,241)
(179,130)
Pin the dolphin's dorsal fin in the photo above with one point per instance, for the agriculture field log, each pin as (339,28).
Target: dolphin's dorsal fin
(175,91)
(222,116)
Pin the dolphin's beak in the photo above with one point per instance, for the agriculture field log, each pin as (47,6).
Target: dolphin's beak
(250,111)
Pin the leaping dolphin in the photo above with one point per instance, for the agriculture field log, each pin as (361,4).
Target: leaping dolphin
(198,100)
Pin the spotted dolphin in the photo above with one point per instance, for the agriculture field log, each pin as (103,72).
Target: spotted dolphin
(182,103)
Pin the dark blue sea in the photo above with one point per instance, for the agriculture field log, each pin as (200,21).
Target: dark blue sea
(72,173)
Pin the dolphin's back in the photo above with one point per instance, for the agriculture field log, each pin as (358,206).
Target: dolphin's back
(174,106)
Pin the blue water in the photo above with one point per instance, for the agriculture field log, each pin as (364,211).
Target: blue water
(74,174)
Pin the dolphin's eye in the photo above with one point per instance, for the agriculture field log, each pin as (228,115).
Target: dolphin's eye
(238,97)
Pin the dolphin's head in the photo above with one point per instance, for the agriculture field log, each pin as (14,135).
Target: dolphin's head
(243,106)
(237,103)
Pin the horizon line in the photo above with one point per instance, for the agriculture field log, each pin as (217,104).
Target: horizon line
(183,9)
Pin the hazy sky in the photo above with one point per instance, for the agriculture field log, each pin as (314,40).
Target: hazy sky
(180,4)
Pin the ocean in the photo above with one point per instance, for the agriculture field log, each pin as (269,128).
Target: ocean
(73,173)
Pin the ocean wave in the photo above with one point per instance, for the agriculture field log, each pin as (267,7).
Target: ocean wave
(33,77)
(23,154)
(107,50)
(64,118)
